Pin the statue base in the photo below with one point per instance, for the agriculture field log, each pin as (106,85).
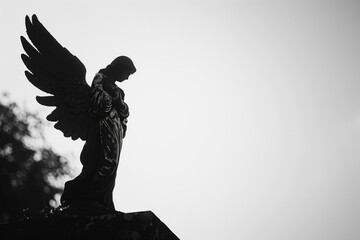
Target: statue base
(60,225)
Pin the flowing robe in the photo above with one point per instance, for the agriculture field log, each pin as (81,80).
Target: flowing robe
(92,189)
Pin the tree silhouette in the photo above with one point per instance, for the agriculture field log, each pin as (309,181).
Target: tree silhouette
(25,170)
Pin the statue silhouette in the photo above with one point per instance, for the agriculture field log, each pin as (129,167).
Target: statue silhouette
(96,114)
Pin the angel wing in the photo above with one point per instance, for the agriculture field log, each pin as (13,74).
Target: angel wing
(54,70)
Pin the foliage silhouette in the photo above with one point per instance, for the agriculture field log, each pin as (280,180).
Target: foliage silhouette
(27,164)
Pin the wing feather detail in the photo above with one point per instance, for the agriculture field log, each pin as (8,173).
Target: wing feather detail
(50,101)
(54,70)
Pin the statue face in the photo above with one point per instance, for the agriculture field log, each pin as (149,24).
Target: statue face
(123,76)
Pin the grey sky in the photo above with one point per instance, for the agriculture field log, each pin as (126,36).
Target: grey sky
(245,115)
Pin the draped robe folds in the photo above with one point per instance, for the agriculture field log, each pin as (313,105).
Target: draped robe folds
(92,189)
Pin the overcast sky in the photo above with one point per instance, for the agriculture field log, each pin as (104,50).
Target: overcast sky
(245,115)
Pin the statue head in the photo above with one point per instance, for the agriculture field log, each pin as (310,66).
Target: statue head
(120,69)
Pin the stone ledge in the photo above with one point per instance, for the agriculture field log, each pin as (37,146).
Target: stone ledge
(59,225)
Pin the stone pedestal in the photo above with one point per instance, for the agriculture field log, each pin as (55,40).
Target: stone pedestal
(59,225)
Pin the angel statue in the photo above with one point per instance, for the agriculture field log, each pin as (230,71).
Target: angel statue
(96,114)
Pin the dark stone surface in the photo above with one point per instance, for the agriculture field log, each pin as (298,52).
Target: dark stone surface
(54,224)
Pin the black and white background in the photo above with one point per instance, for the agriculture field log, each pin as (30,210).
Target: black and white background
(245,115)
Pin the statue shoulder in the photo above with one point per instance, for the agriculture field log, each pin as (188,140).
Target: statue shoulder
(98,80)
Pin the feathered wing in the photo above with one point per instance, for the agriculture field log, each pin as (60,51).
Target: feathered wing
(54,70)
